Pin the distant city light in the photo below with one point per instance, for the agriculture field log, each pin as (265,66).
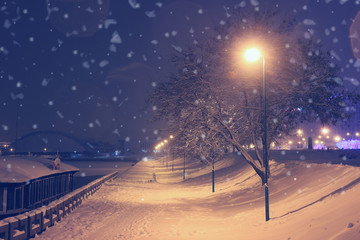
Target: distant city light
(349,144)
(325,131)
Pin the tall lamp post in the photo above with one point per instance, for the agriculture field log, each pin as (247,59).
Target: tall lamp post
(253,55)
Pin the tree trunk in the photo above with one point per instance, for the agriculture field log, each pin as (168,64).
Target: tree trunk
(258,169)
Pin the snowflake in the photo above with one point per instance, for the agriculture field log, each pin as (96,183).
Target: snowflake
(130,54)
(115,38)
(59,114)
(309,22)
(86,64)
(150,14)
(103,63)
(254,3)
(134,4)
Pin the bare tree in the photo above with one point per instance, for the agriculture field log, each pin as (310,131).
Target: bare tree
(214,100)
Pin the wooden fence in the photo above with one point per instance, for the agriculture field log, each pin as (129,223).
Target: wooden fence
(28,224)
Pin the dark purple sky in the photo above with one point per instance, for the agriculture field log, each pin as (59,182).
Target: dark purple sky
(84,67)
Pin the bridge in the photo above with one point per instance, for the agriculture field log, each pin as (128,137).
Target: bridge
(52,140)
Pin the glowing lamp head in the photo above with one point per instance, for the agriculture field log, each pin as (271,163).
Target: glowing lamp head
(252,55)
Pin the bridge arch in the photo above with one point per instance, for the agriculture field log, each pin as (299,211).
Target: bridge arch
(52,140)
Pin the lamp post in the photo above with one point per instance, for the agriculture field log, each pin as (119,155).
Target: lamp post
(253,55)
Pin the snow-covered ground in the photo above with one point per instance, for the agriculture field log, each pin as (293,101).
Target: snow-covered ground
(307,201)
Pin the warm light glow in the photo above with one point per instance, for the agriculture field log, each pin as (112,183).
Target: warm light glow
(325,131)
(45,149)
(290,142)
(316,141)
(252,55)
(11,149)
(347,134)
(252,146)
(165,141)
(171,136)
(337,139)
(327,137)
(299,132)
(303,139)
(357,134)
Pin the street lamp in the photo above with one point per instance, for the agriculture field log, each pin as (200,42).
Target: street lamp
(253,55)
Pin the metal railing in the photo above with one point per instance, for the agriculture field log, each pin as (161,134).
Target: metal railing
(28,224)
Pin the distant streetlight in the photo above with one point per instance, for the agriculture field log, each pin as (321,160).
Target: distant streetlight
(325,131)
(252,55)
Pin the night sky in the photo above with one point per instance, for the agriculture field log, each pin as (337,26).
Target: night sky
(85,67)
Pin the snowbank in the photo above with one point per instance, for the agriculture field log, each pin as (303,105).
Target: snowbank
(307,201)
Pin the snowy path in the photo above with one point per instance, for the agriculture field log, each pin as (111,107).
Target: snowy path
(131,207)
